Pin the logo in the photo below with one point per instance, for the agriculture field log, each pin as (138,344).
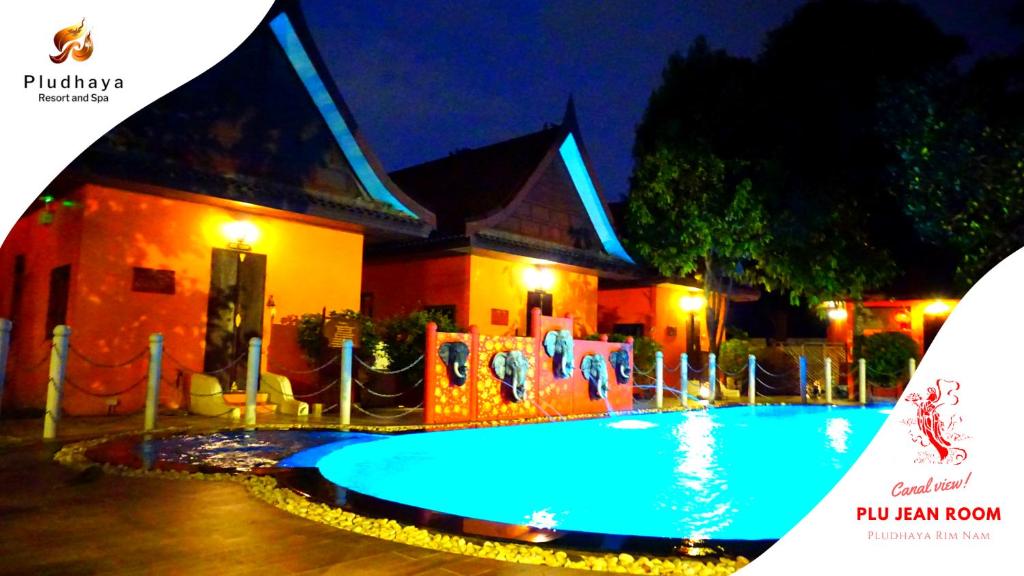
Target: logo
(936,426)
(69,42)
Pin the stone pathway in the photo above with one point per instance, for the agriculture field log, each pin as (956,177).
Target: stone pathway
(58,521)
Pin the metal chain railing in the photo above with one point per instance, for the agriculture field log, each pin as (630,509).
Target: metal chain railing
(88,392)
(42,361)
(693,370)
(185,368)
(98,364)
(761,368)
(389,416)
(277,367)
(383,395)
(305,395)
(372,369)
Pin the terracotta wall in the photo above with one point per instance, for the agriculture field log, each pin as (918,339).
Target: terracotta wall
(502,284)
(45,247)
(404,286)
(308,267)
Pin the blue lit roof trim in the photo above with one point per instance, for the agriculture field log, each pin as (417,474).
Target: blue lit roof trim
(299,59)
(585,187)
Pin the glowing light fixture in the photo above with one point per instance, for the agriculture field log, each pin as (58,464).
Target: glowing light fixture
(539,278)
(937,308)
(837,314)
(241,234)
(692,303)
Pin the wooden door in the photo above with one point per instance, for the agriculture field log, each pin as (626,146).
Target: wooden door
(234,312)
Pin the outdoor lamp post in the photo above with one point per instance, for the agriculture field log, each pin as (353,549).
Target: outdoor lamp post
(692,304)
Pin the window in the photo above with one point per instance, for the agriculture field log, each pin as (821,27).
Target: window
(57,307)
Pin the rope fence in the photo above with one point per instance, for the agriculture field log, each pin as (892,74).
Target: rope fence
(388,372)
(99,364)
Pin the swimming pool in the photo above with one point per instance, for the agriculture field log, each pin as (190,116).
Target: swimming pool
(741,473)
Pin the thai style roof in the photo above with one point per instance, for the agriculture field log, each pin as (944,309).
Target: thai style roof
(534,195)
(267,126)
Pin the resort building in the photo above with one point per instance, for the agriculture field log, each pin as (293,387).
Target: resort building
(520,224)
(216,214)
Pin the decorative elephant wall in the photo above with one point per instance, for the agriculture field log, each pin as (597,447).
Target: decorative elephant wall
(511,369)
(455,356)
(620,363)
(559,346)
(595,370)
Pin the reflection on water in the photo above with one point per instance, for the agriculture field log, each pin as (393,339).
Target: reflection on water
(837,430)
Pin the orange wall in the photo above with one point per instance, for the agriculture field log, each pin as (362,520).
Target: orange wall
(308,267)
(501,284)
(657,308)
(401,287)
(45,246)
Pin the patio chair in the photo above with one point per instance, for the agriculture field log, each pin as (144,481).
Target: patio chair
(206,398)
(280,390)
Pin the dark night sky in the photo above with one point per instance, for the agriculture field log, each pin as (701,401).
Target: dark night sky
(424,78)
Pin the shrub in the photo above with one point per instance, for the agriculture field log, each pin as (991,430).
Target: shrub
(732,355)
(405,338)
(886,354)
(311,337)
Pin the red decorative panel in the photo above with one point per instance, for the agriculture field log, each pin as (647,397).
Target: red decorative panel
(451,403)
(620,396)
(555,394)
(499,317)
(491,403)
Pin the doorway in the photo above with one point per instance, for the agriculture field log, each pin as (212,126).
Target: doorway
(234,313)
(537,299)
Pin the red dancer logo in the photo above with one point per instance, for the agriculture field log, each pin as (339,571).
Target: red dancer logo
(934,427)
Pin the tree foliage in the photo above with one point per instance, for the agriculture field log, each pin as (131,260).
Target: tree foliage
(686,216)
(775,164)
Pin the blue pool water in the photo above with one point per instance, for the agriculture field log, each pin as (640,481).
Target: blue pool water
(742,473)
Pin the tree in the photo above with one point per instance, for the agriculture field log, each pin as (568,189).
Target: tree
(959,160)
(685,216)
(798,124)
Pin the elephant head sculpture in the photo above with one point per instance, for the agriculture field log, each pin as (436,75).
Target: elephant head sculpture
(511,369)
(620,363)
(559,344)
(595,370)
(454,356)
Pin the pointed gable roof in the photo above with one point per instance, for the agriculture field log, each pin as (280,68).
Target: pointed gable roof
(266,125)
(535,195)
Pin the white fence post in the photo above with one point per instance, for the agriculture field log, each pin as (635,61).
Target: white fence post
(911,368)
(252,380)
(345,401)
(828,380)
(5,350)
(752,379)
(803,379)
(684,378)
(712,376)
(659,379)
(55,386)
(862,380)
(156,352)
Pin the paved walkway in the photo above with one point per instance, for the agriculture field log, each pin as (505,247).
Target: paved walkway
(58,521)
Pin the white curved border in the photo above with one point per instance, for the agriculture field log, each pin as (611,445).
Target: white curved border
(153,47)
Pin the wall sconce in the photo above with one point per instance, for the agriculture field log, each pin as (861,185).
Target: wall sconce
(836,310)
(692,303)
(837,314)
(937,308)
(273,307)
(539,279)
(241,234)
